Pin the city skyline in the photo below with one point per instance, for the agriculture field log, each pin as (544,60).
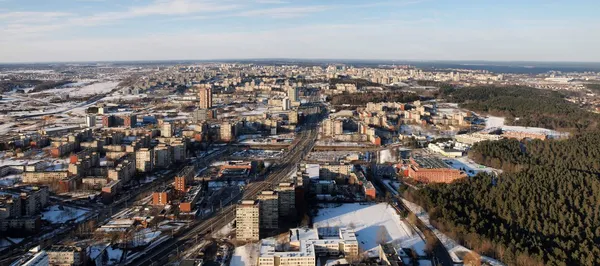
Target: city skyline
(107,30)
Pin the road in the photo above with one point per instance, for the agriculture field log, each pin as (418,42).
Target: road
(160,254)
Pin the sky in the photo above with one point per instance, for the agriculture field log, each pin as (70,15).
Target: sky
(120,30)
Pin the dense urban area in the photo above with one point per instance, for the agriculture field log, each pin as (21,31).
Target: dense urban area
(274,163)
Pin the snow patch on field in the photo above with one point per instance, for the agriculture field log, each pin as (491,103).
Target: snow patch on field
(371,222)
(61,214)
(246,255)
(494,122)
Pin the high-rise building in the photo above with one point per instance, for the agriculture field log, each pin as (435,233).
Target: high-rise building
(144,160)
(226,132)
(90,120)
(247,215)
(293,95)
(163,156)
(269,210)
(167,130)
(200,115)
(129,120)
(179,151)
(205,97)
(184,178)
(287,199)
(286,104)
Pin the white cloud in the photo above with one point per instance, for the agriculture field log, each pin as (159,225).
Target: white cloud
(408,40)
(283,12)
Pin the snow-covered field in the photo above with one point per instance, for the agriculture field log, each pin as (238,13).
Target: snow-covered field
(84,88)
(61,214)
(494,122)
(371,222)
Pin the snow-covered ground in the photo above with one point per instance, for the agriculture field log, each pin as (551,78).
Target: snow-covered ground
(61,214)
(371,222)
(494,122)
(450,245)
(83,88)
(225,231)
(246,255)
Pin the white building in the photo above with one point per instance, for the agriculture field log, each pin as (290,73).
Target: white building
(308,243)
(90,120)
(144,160)
(167,130)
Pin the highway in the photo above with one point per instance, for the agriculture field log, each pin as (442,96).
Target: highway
(281,170)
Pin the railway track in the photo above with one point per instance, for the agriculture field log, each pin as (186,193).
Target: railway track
(225,215)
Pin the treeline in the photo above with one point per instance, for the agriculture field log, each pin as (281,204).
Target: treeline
(525,106)
(8,85)
(579,153)
(543,211)
(358,82)
(593,87)
(376,97)
(47,85)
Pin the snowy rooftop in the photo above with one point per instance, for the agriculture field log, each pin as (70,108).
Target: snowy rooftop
(267,249)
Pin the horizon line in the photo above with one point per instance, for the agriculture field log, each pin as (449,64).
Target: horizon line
(292,59)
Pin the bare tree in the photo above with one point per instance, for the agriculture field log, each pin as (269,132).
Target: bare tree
(382,235)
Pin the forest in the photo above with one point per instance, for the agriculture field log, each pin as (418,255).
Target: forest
(8,85)
(376,97)
(47,85)
(544,209)
(525,106)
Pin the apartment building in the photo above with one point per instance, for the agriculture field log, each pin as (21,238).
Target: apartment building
(184,178)
(167,130)
(287,199)
(247,217)
(205,98)
(163,156)
(269,210)
(66,255)
(144,160)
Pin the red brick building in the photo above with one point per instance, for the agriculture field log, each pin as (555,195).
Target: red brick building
(432,170)
(161,198)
